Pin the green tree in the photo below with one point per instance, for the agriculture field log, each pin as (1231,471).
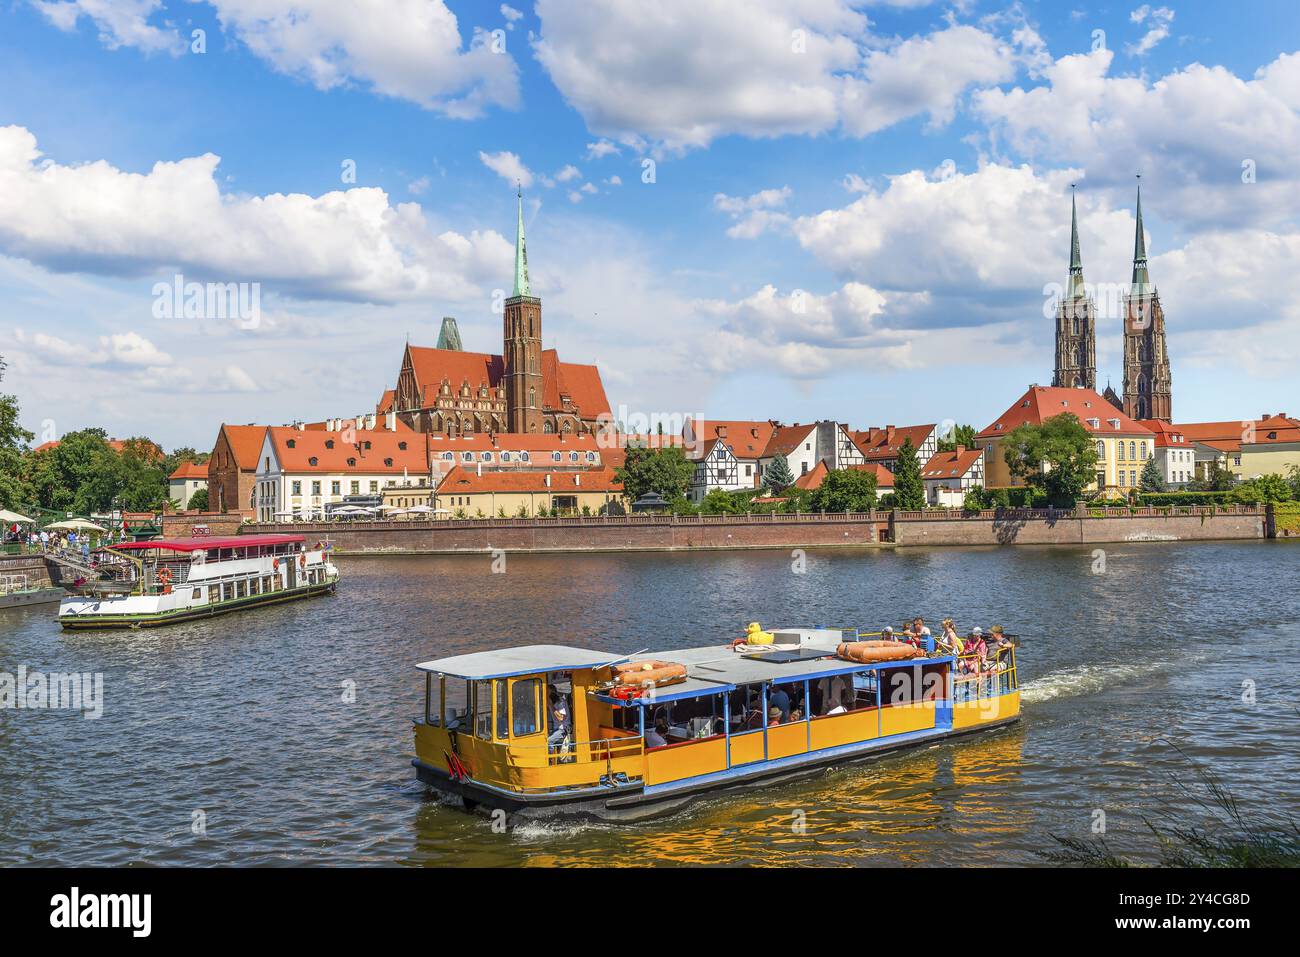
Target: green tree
(1266,488)
(719,502)
(173,460)
(777,477)
(1293,479)
(1059,457)
(845,490)
(1151,480)
(1219,479)
(909,489)
(963,435)
(666,471)
(199,501)
(14,488)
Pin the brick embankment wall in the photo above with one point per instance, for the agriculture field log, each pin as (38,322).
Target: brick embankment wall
(33,566)
(1078,527)
(619,533)
(218,523)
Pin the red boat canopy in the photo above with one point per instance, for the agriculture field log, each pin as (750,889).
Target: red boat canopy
(202,543)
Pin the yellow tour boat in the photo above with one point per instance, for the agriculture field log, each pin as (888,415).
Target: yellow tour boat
(553,731)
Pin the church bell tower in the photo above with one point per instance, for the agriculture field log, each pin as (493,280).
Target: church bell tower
(1076,322)
(1148,384)
(522,344)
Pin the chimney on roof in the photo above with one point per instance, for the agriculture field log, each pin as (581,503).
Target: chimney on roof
(480,469)
(577,478)
(390,421)
(722,431)
(546,479)
(960,449)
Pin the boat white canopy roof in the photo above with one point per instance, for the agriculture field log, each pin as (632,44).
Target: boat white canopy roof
(525,660)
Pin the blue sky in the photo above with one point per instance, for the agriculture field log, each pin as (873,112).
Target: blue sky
(855,211)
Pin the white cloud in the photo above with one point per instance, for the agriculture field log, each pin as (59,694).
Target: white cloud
(1189,133)
(568,173)
(511,15)
(124,350)
(615,180)
(681,73)
(755,214)
(1158,21)
(508,166)
(346,244)
(923,75)
(121,23)
(418,186)
(600,149)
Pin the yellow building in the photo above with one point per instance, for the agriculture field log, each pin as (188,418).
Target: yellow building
(1248,448)
(1123,445)
(471,493)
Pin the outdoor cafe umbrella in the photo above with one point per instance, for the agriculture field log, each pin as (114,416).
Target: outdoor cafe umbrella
(9,517)
(76,525)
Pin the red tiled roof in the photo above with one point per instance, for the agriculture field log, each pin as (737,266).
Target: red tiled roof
(1167,436)
(385,454)
(245,443)
(1040,403)
(814,478)
(785,439)
(954,465)
(385,403)
(883,444)
(581,383)
(746,439)
(468,481)
(1230,436)
(190,470)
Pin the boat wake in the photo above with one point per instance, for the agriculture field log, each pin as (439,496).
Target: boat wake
(1090,679)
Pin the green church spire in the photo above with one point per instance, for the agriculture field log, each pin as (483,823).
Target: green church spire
(1141,280)
(521,252)
(1076,290)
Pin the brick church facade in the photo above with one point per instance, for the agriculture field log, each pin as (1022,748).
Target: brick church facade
(526,389)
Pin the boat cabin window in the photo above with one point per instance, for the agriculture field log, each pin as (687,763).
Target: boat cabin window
(687,719)
(483,710)
(456,698)
(523,706)
(903,685)
(503,717)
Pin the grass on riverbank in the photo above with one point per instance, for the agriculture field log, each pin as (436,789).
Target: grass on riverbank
(1230,838)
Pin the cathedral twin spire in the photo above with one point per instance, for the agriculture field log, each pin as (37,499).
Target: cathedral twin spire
(1147,379)
(521,252)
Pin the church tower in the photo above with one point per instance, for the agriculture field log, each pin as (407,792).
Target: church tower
(522,345)
(1076,323)
(1148,385)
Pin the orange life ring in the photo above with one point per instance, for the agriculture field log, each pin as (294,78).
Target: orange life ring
(872,651)
(302,561)
(649,673)
(275,564)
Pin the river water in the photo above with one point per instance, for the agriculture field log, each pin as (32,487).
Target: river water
(283,734)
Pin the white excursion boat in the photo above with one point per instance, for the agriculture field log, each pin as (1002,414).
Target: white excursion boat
(158,582)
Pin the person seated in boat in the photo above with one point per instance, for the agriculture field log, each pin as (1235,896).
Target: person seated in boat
(887,633)
(921,636)
(950,641)
(657,737)
(796,715)
(998,641)
(780,700)
(773,717)
(559,720)
(834,689)
(975,648)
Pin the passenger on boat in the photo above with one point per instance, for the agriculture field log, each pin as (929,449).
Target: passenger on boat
(950,642)
(773,717)
(657,737)
(976,649)
(887,633)
(833,691)
(779,700)
(559,720)
(796,715)
(921,635)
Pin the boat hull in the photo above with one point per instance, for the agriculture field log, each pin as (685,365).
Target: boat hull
(36,596)
(632,802)
(100,621)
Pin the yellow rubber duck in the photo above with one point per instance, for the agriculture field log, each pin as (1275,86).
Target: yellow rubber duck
(755,635)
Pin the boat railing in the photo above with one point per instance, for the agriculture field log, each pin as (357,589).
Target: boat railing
(567,751)
(985,676)
(12,583)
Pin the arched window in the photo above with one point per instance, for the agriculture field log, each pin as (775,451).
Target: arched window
(556,456)
(548,427)
(532,398)
(1101,449)
(523,456)
(1143,449)
(1132,451)
(1119,447)
(467,456)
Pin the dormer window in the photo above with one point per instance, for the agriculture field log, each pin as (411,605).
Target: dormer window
(402,446)
(1095,423)
(329,443)
(505,456)
(388,462)
(1114,423)
(523,456)
(467,456)
(291,444)
(352,461)
(448,456)
(367,445)
(312,460)
(486,456)
(556,457)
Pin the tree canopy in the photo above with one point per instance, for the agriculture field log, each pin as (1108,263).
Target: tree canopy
(666,471)
(777,476)
(845,490)
(1059,457)
(909,489)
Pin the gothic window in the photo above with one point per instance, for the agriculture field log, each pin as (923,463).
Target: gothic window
(548,427)
(1074,327)
(532,398)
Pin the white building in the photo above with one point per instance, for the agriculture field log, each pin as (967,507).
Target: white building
(948,476)
(188,478)
(299,472)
